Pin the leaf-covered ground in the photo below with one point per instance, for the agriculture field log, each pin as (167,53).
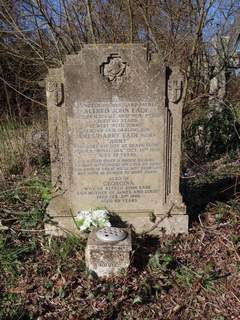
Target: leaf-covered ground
(194,276)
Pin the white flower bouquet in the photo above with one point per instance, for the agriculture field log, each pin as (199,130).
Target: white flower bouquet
(87,220)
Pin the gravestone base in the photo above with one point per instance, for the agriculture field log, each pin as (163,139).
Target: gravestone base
(108,258)
(163,224)
(62,222)
(173,221)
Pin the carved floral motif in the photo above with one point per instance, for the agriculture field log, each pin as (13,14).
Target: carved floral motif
(114,69)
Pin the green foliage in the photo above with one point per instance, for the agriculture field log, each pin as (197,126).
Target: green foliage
(185,276)
(160,261)
(209,275)
(227,212)
(48,284)
(63,248)
(11,307)
(238,267)
(235,238)
(18,153)
(35,188)
(236,110)
(62,292)
(32,219)
(148,290)
(10,255)
(137,300)
(208,139)
(42,187)
(219,211)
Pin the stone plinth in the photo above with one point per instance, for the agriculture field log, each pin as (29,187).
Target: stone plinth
(108,258)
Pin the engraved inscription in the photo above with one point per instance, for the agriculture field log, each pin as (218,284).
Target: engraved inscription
(118,145)
(109,258)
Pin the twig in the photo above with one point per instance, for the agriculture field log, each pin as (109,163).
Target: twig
(90,22)
(28,230)
(167,215)
(130,20)
(22,94)
(149,28)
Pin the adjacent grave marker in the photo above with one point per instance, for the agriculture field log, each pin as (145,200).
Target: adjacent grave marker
(106,258)
(115,137)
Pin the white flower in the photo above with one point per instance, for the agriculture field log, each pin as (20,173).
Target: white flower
(86,220)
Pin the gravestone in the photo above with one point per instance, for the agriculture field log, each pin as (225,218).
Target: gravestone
(115,115)
(106,258)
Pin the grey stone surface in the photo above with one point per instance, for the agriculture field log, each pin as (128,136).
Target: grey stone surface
(108,258)
(115,137)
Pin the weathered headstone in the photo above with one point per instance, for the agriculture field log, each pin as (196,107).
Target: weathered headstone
(115,137)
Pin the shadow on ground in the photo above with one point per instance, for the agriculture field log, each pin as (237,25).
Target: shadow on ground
(197,197)
(144,248)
